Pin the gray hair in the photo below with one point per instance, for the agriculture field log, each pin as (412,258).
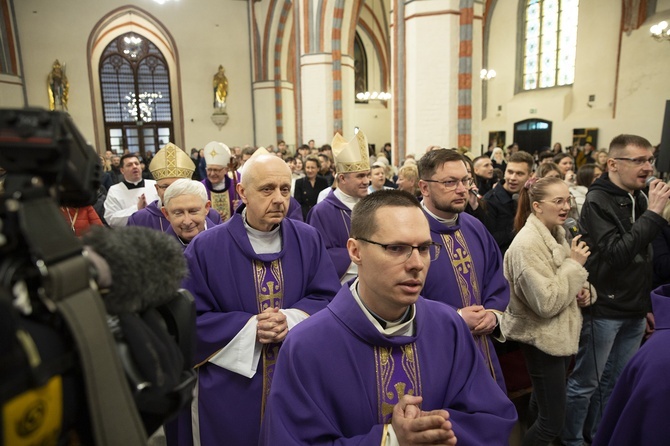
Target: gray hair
(184,186)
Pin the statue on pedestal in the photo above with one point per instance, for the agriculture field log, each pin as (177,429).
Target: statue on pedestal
(220,86)
(58,87)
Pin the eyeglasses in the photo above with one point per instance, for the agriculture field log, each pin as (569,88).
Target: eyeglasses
(639,161)
(403,252)
(560,202)
(214,170)
(453,184)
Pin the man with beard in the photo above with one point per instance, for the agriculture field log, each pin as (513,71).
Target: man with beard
(253,278)
(332,216)
(130,195)
(501,201)
(468,275)
(381,365)
(619,223)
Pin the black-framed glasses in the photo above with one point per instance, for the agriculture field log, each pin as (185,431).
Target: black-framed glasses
(402,251)
(453,184)
(638,161)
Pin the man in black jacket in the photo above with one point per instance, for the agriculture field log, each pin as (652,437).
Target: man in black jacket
(618,223)
(501,202)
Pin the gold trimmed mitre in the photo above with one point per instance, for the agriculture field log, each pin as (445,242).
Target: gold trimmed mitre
(171,162)
(351,156)
(217,154)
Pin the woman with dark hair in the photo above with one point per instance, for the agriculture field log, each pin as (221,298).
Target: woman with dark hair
(586,175)
(566,165)
(548,287)
(308,187)
(558,148)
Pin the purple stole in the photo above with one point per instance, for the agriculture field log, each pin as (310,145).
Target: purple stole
(221,203)
(269,281)
(397,370)
(464,270)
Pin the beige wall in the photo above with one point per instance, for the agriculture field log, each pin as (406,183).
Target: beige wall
(207,34)
(639,97)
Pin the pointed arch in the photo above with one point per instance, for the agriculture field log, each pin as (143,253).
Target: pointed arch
(120,21)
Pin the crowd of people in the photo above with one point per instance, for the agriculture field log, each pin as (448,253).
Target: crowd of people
(340,301)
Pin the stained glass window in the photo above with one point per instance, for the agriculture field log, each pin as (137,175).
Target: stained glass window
(135,84)
(550,43)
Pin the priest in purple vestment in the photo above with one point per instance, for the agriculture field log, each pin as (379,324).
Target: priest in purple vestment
(332,216)
(469,273)
(254,278)
(382,365)
(637,410)
(167,166)
(185,205)
(220,183)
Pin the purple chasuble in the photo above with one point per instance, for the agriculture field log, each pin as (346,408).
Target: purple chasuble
(397,375)
(152,217)
(637,410)
(223,200)
(333,386)
(269,284)
(469,271)
(225,279)
(333,220)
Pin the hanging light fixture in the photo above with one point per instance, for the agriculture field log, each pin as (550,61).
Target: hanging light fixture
(373,96)
(660,32)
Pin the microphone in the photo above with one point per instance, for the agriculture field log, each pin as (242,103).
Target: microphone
(515,197)
(572,227)
(650,180)
(140,267)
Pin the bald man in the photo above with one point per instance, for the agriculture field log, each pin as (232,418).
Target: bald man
(276,273)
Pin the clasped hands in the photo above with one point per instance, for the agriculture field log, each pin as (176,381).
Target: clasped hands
(272,326)
(584,297)
(480,321)
(413,426)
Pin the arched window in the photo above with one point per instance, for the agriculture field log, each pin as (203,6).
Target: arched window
(135,85)
(550,42)
(360,67)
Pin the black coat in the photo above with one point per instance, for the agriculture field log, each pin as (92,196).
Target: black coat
(500,212)
(306,194)
(620,264)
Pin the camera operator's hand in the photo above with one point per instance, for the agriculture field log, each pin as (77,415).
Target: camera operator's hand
(141,202)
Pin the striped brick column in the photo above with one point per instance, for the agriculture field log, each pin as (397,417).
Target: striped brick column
(279,106)
(338,14)
(465,73)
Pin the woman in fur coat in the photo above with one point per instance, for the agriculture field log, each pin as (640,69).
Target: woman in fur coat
(547,288)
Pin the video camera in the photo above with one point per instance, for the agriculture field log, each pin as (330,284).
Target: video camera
(71,370)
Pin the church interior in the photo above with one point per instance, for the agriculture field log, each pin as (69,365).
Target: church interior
(415,73)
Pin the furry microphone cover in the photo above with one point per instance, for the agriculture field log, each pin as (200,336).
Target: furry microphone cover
(146,267)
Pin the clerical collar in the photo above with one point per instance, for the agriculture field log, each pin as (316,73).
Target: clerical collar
(186,242)
(445,221)
(134,185)
(402,327)
(346,200)
(263,242)
(220,187)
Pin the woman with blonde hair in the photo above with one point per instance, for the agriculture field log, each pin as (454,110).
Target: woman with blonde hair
(498,159)
(601,159)
(547,288)
(408,179)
